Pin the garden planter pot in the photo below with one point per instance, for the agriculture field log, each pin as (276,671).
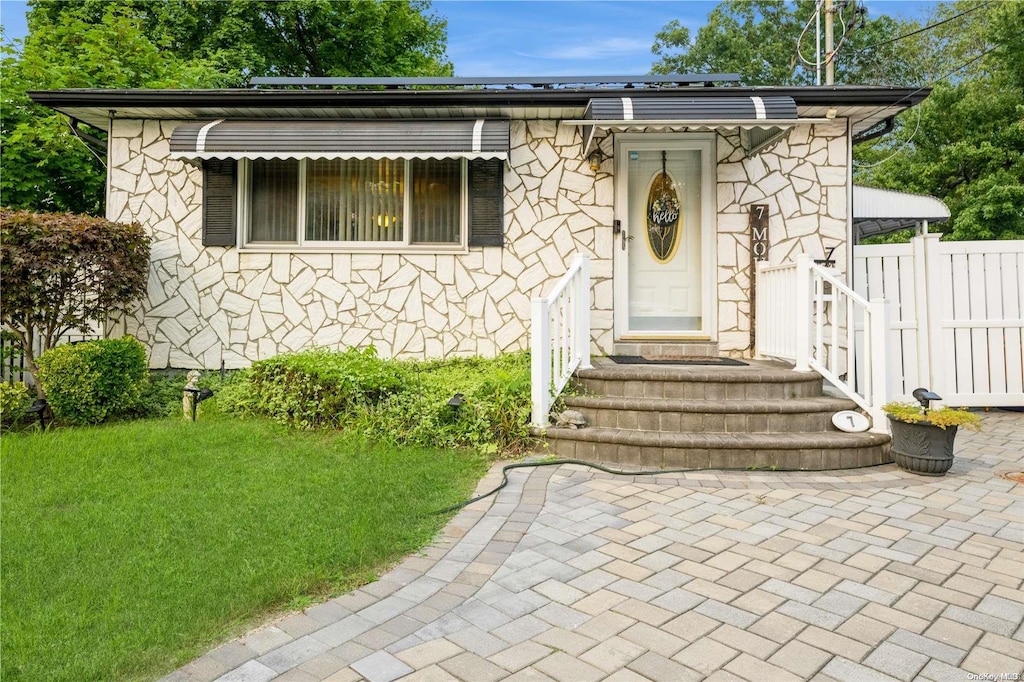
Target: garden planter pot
(922,448)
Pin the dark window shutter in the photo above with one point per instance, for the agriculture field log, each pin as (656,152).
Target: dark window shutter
(486,206)
(219,219)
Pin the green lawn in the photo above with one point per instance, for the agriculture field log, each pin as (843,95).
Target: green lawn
(128,549)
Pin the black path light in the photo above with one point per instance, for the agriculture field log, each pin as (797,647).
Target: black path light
(455,402)
(192,395)
(925,397)
(41,408)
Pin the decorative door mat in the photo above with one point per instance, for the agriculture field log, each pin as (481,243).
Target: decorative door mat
(638,360)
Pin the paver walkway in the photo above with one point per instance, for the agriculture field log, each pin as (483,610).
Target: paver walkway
(573,576)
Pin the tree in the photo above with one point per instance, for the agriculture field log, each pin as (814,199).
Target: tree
(965,143)
(62,272)
(762,40)
(183,44)
(44,165)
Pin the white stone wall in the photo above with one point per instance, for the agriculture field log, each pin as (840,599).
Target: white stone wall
(803,180)
(210,304)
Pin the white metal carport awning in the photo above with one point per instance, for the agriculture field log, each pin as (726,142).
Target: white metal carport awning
(619,114)
(880,211)
(341,139)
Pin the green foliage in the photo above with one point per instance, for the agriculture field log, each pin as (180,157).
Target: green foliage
(161,396)
(317,387)
(182,44)
(965,143)
(61,272)
(758,39)
(89,382)
(493,419)
(912,413)
(14,400)
(398,402)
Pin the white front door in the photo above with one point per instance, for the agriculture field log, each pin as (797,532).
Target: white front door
(663,254)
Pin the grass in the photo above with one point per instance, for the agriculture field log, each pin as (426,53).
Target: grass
(128,549)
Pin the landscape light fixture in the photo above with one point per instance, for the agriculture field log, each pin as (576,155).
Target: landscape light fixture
(925,397)
(198,396)
(41,408)
(596,158)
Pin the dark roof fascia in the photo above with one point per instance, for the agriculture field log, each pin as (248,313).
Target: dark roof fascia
(576,97)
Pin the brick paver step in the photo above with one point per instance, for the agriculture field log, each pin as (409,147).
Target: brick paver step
(719,416)
(698,382)
(810,451)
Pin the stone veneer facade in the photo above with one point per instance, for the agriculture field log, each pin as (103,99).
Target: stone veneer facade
(206,305)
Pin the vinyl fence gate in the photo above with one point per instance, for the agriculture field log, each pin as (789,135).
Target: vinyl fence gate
(956,313)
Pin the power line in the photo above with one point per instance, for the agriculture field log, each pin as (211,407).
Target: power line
(925,28)
(923,87)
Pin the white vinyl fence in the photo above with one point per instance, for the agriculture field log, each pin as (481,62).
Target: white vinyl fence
(956,317)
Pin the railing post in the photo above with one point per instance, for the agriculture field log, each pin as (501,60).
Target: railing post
(540,362)
(878,316)
(930,282)
(582,331)
(759,288)
(802,317)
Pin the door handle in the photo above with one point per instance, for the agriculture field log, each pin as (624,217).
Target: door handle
(625,238)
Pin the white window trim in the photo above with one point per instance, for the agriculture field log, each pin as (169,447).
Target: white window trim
(301,245)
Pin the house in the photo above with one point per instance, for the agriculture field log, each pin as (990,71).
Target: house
(424,215)
(576,217)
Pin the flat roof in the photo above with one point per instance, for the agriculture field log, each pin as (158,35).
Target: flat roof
(865,106)
(878,211)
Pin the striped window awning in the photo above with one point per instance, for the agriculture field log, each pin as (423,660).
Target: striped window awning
(341,139)
(618,114)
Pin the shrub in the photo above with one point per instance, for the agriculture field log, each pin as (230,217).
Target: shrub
(161,395)
(61,272)
(14,400)
(399,402)
(494,416)
(316,387)
(89,382)
(942,417)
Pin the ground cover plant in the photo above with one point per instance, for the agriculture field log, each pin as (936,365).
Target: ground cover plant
(131,547)
(399,402)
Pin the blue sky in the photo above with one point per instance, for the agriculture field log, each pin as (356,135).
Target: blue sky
(590,38)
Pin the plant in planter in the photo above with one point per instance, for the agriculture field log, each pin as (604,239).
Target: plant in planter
(922,438)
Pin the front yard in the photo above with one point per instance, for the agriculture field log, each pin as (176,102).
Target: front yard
(130,548)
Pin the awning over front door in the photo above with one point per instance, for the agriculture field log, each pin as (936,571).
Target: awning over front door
(326,139)
(618,114)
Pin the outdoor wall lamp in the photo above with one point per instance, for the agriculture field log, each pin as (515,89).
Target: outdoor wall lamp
(925,397)
(596,158)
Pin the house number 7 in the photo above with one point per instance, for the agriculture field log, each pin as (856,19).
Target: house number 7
(759,231)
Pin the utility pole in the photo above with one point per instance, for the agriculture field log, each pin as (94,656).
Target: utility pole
(817,43)
(830,62)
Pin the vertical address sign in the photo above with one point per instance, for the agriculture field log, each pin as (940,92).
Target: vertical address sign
(759,231)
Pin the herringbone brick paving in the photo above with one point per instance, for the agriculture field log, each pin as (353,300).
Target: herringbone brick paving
(568,575)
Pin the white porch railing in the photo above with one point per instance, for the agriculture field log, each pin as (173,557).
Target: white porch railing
(560,337)
(808,316)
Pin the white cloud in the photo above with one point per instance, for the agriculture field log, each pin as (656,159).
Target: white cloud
(599,48)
